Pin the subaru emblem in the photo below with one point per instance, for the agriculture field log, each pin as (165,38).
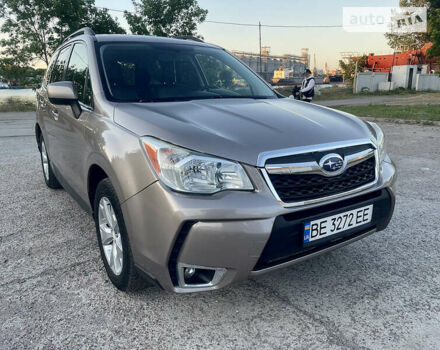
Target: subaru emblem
(332,164)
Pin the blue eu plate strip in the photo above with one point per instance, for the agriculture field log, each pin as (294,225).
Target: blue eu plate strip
(307,232)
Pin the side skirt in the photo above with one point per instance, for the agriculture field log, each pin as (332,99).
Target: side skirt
(82,203)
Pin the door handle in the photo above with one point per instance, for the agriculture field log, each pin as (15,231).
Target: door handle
(55,114)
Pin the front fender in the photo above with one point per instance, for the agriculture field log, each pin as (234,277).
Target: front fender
(118,152)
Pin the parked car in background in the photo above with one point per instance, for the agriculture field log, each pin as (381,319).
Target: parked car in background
(196,172)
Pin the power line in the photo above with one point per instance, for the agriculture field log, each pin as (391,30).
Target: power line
(235,23)
(247,24)
(276,25)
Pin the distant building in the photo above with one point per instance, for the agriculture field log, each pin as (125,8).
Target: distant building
(295,65)
(384,63)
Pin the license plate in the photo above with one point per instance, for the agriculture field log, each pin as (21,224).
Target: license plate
(321,228)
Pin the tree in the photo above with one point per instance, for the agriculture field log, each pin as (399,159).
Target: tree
(11,71)
(101,22)
(434,28)
(34,28)
(409,41)
(349,68)
(19,74)
(165,17)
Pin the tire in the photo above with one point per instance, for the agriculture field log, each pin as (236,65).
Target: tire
(48,174)
(112,236)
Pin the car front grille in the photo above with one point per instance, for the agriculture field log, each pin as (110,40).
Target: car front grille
(303,186)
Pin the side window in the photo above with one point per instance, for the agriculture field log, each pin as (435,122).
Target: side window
(220,75)
(78,72)
(58,69)
(49,69)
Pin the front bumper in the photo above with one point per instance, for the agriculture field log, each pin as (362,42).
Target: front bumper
(235,230)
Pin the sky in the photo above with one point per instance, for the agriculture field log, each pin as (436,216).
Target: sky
(326,43)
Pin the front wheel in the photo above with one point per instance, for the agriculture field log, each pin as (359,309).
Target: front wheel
(49,177)
(113,239)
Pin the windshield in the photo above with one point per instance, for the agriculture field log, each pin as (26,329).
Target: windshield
(152,72)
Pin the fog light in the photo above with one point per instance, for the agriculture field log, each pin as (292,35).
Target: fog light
(189,272)
(191,276)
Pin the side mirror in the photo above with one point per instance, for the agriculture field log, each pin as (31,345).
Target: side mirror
(64,93)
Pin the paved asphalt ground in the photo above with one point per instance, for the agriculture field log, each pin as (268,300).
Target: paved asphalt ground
(379,293)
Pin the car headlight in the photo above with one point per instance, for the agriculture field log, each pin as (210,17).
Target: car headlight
(188,171)
(379,140)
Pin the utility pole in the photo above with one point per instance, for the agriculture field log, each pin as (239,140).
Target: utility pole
(259,61)
(315,71)
(355,77)
(390,74)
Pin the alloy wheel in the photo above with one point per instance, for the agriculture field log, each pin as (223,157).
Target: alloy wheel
(110,235)
(45,160)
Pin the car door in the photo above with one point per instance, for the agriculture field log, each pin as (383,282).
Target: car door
(51,110)
(42,101)
(69,129)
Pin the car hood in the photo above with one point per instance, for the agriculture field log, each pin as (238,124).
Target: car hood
(239,129)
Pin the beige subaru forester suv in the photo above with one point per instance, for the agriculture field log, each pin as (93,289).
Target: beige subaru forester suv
(197,173)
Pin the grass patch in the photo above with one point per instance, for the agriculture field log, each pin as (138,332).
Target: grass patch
(16,104)
(329,93)
(409,112)
(335,93)
(342,93)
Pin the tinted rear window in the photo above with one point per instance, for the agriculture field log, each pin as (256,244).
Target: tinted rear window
(77,71)
(58,69)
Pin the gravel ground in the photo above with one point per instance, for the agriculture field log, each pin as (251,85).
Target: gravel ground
(378,293)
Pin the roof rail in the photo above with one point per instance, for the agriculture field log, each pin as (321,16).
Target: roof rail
(82,31)
(188,37)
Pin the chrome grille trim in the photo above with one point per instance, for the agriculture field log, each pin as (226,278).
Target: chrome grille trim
(309,168)
(264,156)
(314,168)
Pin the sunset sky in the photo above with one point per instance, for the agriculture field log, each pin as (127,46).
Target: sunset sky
(326,43)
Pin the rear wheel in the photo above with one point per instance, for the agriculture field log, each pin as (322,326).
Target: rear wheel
(113,239)
(49,177)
